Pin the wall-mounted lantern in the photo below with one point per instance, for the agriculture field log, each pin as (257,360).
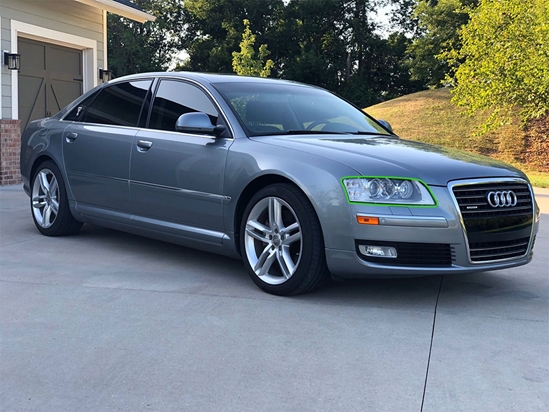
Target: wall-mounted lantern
(105,75)
(12,60)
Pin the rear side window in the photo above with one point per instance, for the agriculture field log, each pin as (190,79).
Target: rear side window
(174,98)
(77,113)
(119,104)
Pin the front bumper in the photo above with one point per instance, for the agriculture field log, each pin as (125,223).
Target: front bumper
(431,240)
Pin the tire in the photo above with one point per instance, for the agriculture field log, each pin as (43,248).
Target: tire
(49,204)
(281,241)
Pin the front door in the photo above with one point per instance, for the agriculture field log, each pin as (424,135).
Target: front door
(177,177)
(49,79)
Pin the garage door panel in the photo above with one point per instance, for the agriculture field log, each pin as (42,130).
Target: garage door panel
(64,60)
(62,93)
(49,79)
(32,103)
(33,55)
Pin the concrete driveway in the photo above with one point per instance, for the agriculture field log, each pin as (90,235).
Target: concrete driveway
(106,321)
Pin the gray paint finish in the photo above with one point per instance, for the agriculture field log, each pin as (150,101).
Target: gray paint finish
(179,179)
(97,165)
(200,190)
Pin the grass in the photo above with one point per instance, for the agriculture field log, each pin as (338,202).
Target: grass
(430,117)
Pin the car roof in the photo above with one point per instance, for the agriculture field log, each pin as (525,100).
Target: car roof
(211,78)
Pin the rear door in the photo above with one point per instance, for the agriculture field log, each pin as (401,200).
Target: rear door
(97,147)
(177,177)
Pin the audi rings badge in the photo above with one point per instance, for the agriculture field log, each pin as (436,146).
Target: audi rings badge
(506,198)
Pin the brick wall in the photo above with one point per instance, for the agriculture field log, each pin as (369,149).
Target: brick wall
(10,148)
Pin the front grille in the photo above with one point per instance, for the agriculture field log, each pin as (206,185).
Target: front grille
(489,251)
(473,203)
(495,233)
(412,254)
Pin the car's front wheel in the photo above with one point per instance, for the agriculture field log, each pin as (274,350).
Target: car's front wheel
(281,241)
(49,203)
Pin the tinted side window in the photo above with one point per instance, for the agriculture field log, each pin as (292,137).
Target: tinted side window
(78,112)
(119,104)
(175,98)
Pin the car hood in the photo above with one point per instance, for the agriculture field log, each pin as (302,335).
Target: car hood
(388,156)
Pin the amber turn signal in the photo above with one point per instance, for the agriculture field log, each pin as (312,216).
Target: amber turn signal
(367,220)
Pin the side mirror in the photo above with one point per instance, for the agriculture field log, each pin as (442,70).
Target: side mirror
(385,124)
(198,123)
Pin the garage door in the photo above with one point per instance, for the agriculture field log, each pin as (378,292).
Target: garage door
(49,79)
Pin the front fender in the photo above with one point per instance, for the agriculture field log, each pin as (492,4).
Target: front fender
(317,177)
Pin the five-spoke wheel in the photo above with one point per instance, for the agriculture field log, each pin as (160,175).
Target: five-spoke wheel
(49,204)
(45,198)
(281,241)
(273,240)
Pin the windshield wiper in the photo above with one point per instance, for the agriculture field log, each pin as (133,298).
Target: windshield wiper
(358,132)
(301,131)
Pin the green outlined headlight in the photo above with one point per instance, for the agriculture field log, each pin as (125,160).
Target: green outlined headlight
(388,190)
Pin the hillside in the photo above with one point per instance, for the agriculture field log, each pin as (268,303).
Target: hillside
(430,117)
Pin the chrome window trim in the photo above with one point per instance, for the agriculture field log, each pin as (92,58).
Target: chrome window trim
(470,182)
(154,87)
(193,193)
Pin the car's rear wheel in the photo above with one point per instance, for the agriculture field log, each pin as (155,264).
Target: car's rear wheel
(49,203)
(281,241)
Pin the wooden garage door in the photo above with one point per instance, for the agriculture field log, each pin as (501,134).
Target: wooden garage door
(49,79)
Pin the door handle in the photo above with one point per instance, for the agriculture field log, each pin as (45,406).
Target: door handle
(143,145)
(71,137)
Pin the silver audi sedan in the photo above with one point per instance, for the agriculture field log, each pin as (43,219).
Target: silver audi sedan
(297,182)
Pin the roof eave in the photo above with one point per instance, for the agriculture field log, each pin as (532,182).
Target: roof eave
(121,9)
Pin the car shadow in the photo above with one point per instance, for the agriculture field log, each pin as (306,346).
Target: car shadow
(223,275)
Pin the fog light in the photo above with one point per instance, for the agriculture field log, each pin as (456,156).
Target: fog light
(378,251)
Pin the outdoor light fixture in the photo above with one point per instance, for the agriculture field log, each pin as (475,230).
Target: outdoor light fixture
(12,60)
(105,75)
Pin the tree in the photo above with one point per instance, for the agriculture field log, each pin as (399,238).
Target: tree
(506,60)
(134,47)
(315,50)
(245,63)
(328,43)
(439,23)
(214,30)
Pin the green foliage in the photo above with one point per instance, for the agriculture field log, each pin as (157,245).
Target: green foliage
(245,63)
(214,30)
(430,117)
(440,22)
(134,47)
(315,49)
(329,43)
(506,61)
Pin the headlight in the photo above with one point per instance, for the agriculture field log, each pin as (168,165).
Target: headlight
(388,191)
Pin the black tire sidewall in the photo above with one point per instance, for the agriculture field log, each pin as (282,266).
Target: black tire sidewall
(64,222)
(312,261)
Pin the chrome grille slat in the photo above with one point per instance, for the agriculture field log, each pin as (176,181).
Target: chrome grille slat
(508,249)
(483,249)
(475,196)
(473,207)
(495,212)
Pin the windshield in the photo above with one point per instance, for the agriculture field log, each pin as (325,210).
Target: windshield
(270,108)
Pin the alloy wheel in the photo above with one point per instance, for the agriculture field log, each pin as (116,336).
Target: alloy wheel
(273,240)
(45,198)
